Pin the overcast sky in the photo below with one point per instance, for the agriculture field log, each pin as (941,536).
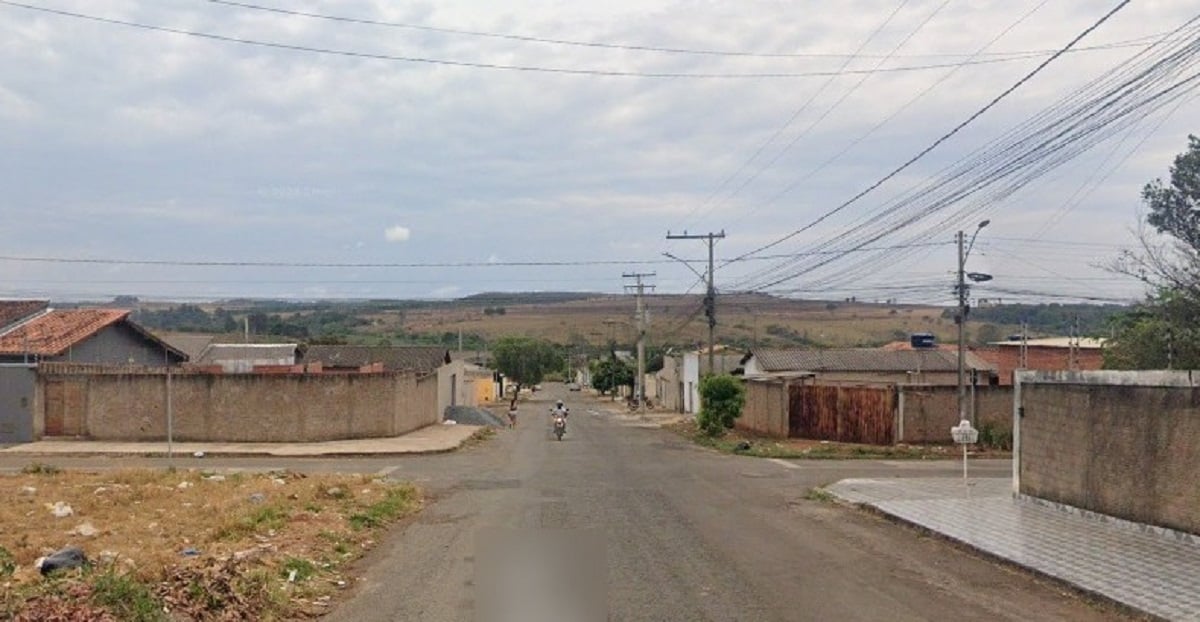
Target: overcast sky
(127,143)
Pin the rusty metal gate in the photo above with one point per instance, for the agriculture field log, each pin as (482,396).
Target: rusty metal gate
(64,403)
(842,413)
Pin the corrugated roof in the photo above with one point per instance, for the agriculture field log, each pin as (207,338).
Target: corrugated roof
(13,310)
(1086,343)
(53,332)
(864,360)
(394,358)
(247,352)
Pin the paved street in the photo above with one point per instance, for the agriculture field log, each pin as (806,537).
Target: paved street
(689,535)
(686,533)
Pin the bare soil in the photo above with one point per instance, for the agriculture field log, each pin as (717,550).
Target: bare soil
(188,545)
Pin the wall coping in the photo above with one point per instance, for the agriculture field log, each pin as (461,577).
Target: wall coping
(1108,519)
(1145,378)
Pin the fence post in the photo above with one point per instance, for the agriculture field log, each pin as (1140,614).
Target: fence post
(899,414)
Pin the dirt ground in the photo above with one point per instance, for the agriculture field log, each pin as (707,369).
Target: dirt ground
(187,544)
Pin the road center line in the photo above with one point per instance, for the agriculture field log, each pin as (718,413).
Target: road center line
(784,463)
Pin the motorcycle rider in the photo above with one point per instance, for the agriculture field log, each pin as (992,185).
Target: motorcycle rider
(560,410)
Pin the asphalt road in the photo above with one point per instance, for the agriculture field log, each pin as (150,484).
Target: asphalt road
(679,532)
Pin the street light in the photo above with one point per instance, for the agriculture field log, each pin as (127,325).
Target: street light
(961,317)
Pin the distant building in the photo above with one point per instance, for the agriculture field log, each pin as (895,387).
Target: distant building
(1045,354)
(421,359)
(245,358)
(870,365)
(678,382)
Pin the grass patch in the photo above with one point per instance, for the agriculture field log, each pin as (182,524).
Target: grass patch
(302,568)
(126,597)
(819,494)
(39,468)
(395,504)
(172,546)
(800,449)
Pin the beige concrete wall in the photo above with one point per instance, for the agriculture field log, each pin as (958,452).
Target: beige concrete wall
(766,409)
(928,412)
(253,407)
(1126,444)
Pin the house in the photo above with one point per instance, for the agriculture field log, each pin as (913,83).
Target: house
(870,365)
(245,358)
(460,382)
(421,359)
(13,311)
(97,336)
(678,382)
(33,334)
(191,344)
(1047,354)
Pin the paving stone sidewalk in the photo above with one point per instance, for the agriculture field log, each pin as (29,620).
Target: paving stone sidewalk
(1147,569)
(429,439)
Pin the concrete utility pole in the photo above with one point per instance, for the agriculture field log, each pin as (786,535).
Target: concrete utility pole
(964,250)
(639,384)
(710,298)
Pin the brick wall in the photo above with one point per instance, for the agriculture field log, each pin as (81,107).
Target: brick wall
(1126,444)
(245,407)
(1007,359)
(926,413)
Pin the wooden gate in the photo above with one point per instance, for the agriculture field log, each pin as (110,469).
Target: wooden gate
(842,414)
(63,407)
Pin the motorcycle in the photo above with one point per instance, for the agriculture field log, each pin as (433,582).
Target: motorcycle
(560,426)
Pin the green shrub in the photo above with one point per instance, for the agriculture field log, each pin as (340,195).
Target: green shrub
(995,436)
(721,401)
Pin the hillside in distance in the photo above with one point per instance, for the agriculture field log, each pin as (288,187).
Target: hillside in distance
(674,320)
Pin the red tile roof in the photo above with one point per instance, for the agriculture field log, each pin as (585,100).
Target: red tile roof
(13,310)
(53,333)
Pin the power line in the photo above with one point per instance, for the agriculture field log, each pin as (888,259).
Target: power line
(704,207)
(494,66)
(946,76)
(631,46)
(447,264)
(956,129)
(1120,97)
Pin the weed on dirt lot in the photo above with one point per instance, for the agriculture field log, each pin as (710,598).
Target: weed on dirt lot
(736,442)
(187,545)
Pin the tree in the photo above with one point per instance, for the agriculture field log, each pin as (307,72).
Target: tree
(610,373)
(524,361)
(1161,331)
(988,333)
(721,400)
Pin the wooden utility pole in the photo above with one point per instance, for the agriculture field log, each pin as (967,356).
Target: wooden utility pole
(710,298)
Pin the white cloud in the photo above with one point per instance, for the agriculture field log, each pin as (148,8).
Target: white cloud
(397,233)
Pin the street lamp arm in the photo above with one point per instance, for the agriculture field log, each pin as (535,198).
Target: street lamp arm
(689,266)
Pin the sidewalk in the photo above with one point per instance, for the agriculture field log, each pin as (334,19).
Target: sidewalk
(430,439)
(1145,568)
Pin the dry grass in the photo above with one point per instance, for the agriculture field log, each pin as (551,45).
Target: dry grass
(800,448)
(252,533)
(778,323)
